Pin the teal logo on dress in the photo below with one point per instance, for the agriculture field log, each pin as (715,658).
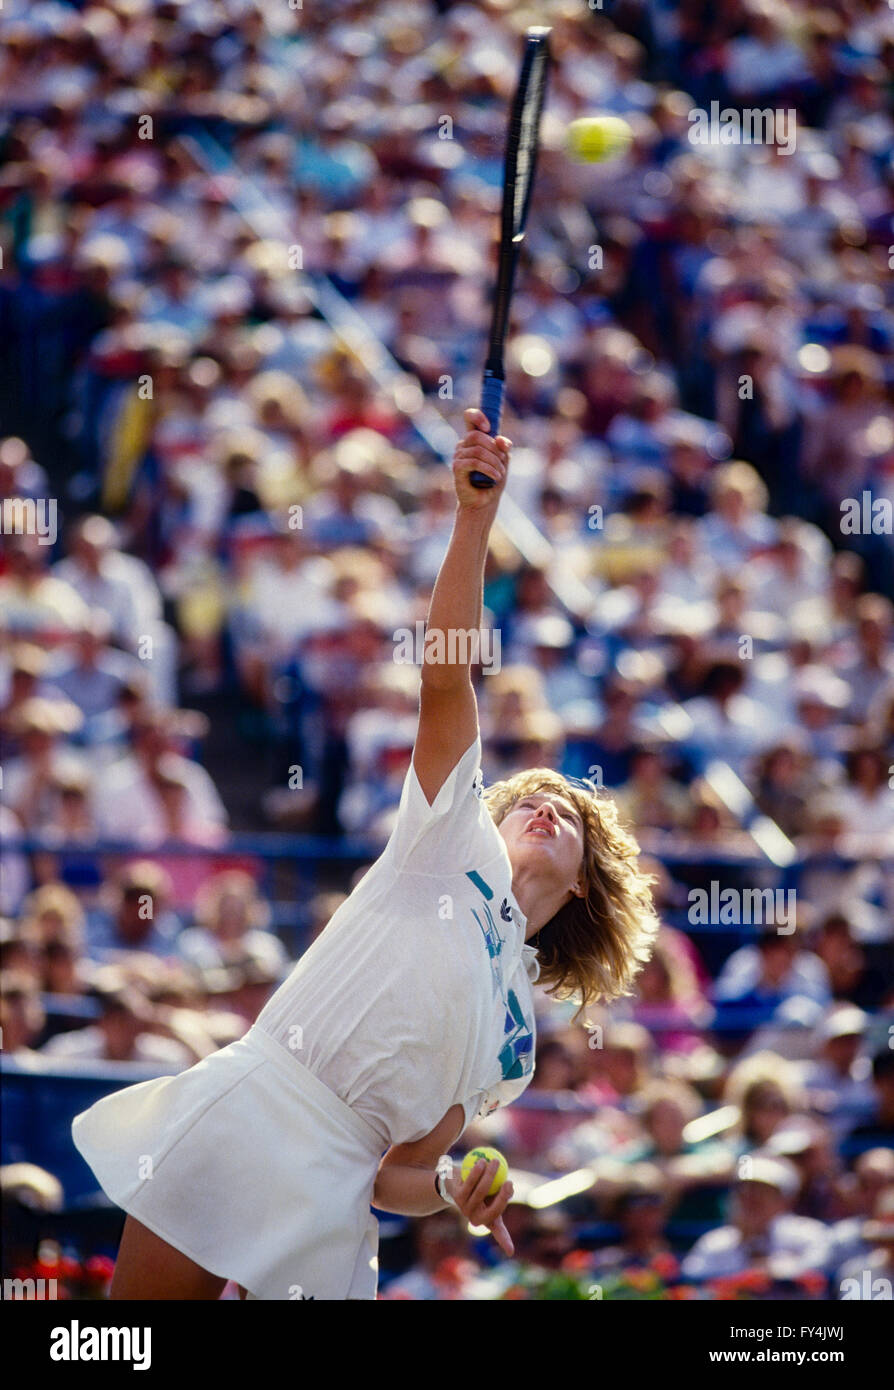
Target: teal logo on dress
(494,944)
(483,888)
(516,1053)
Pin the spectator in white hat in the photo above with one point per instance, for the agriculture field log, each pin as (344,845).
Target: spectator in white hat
(838,1080)
(763,1234)
(878,1261)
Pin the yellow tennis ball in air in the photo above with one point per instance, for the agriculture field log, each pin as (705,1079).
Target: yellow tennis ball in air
(488,1155)
(593,139)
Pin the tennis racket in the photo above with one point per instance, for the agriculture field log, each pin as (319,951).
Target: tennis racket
(519,167)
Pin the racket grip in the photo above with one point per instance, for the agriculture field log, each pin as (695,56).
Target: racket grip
(492,406)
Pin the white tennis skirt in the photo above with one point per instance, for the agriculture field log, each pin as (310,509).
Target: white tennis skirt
(249,1165)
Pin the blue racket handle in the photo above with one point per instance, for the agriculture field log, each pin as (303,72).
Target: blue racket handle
(492,406)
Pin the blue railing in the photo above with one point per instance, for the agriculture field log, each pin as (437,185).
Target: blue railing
(291,867)
(39,1102)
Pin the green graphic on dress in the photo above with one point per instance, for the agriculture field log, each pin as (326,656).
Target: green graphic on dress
(516,1054)
(484,888)
(494,943)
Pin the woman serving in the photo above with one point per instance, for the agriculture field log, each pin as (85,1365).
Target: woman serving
(411,1014)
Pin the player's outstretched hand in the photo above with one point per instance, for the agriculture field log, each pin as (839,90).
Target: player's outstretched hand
(478,452)
(479,1209)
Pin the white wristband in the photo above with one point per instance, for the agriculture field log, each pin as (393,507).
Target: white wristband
(444,1171)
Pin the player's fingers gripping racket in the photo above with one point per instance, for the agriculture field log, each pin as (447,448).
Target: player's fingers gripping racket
(519,166)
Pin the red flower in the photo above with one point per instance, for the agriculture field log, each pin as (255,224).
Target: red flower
(454,1271)
(723,1286)
(665,1265)
(578,1261)
(98,1269)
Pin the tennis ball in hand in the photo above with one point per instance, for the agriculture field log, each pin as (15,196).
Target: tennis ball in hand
(488,1155)
(593,139)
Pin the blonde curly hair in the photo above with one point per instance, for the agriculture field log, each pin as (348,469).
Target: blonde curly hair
(594,946)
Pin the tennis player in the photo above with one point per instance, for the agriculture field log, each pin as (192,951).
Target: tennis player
(410,1015)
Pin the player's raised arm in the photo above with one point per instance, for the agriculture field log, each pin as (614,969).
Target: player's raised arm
(448,714)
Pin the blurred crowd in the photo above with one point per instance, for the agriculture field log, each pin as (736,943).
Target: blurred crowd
(700,376)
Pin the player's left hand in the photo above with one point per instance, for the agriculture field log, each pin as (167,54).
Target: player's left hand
(479,1209)
(478,452)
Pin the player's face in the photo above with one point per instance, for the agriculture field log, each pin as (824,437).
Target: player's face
(545,828)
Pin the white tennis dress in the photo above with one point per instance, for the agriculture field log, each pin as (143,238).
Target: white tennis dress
(259,1161)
